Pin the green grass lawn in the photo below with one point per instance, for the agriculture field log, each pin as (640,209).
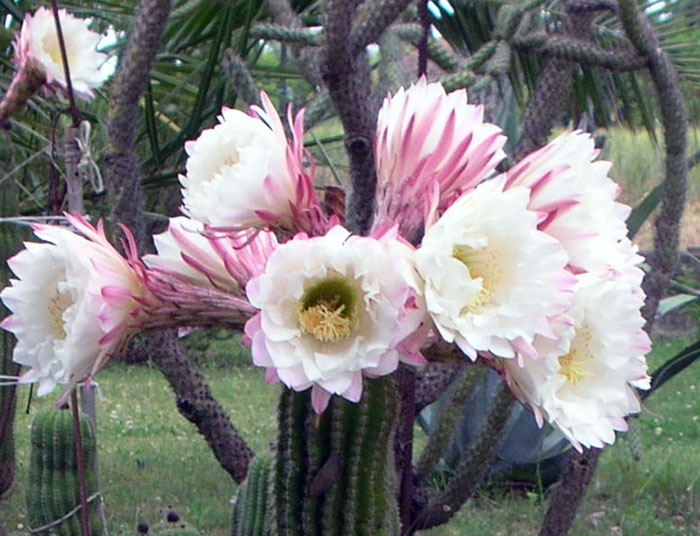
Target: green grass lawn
(151,457)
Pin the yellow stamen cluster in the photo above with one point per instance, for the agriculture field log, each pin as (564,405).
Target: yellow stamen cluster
(326,322)
(481,264)
(231,159)
(57,306)
(51,47)
(573,365)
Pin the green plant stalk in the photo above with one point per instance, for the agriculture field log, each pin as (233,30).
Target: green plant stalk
(53,491)
(334,473)
(449,418)
(472,470)
(250,507)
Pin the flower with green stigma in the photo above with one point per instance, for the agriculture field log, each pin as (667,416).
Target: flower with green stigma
(331,312)
(327,310)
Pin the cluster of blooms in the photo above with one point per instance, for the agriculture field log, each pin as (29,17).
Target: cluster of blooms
(529,271)
(39,62)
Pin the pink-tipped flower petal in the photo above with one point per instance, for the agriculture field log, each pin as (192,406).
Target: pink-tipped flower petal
(426,137)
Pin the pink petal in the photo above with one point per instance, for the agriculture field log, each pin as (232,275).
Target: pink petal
(319,398)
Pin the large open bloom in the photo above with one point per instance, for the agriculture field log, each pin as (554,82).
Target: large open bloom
(491,278)
(428,141)
(578,198)
(75,301)
(583,382)
(244,173)
(333,308)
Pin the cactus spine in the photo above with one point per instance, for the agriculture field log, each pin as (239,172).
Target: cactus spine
(53,491)
(332,473)
(250,508)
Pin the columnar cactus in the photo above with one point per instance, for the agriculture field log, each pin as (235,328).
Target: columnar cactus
(251,506)
(53,495)
(330,471)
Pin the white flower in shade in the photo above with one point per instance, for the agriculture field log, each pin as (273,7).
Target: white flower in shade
(75,301)
(223,262)
(578,198)
(244,173)
(332,309)
(583,383)
(429,143)
(38,43)
(491,278)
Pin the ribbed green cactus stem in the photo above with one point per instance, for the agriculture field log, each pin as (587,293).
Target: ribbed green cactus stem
(463,79)
(334,472)
(284,34)
(447,424)
(476,60)
(239,77)
(499,62)
(318,109)
(250,508)
(53,496)
(473,467)
(391,72)
(443,56)
(507,20)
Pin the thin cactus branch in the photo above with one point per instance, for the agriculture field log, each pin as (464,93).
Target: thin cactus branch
(564,504)
(432,381)
(373,18)
(392,75)
(196,403)
(674,116)
(318,109)
(552,90)
(468,75)
(562,47)
(441,55)
(285,34)
(347,76)
(121,169)
(472,469)
(308,60)
(238,75)
(194,398)
(447,423)
(405,379)
(10,243)
(462,79)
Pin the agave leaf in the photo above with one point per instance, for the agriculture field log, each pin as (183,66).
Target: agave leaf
(642,211)
(673,366)
(671,303)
